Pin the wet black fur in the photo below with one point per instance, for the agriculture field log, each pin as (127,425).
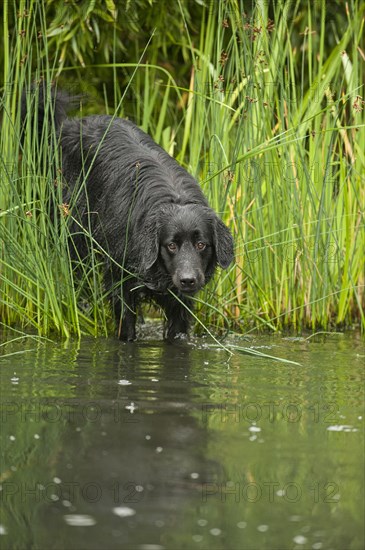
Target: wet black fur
(137,195)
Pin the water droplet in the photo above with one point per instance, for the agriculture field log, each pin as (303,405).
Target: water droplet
(123,511)
(241,524)
(299,539)
(79,520)
(159,523)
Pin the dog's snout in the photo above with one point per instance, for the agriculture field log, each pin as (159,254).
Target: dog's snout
(188,283)
(188,278)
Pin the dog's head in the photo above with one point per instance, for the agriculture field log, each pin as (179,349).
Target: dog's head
(185,243)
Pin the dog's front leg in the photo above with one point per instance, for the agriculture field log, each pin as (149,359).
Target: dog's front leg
(178,317)
(126,314)
(127,326)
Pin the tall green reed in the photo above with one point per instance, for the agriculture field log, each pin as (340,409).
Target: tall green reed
(38,289)
(283,162)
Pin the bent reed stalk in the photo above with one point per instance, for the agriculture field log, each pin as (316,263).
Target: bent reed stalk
(271,124)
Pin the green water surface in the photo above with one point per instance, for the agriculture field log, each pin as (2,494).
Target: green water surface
(106,445)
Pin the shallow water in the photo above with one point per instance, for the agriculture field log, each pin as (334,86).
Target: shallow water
(150,445)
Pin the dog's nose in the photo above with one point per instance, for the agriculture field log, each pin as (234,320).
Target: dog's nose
(188,283)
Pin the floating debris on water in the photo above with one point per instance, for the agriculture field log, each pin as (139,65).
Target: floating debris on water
(131,408)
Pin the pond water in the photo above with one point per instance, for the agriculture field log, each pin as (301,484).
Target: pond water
(156,446)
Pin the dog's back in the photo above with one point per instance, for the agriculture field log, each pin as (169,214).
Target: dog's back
(126,159)
(114,154)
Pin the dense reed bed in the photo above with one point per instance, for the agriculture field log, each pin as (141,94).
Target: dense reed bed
(267,113)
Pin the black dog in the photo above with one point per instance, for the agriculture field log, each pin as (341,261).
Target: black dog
(145,210)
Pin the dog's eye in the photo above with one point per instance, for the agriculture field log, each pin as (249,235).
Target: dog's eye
(200,246)
(172,247)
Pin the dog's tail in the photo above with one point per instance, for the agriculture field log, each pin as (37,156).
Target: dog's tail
(45,108)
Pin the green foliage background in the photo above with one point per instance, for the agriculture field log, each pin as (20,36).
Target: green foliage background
(262,101)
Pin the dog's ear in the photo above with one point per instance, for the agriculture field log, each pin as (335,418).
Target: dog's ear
(223,242)
(150,244)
